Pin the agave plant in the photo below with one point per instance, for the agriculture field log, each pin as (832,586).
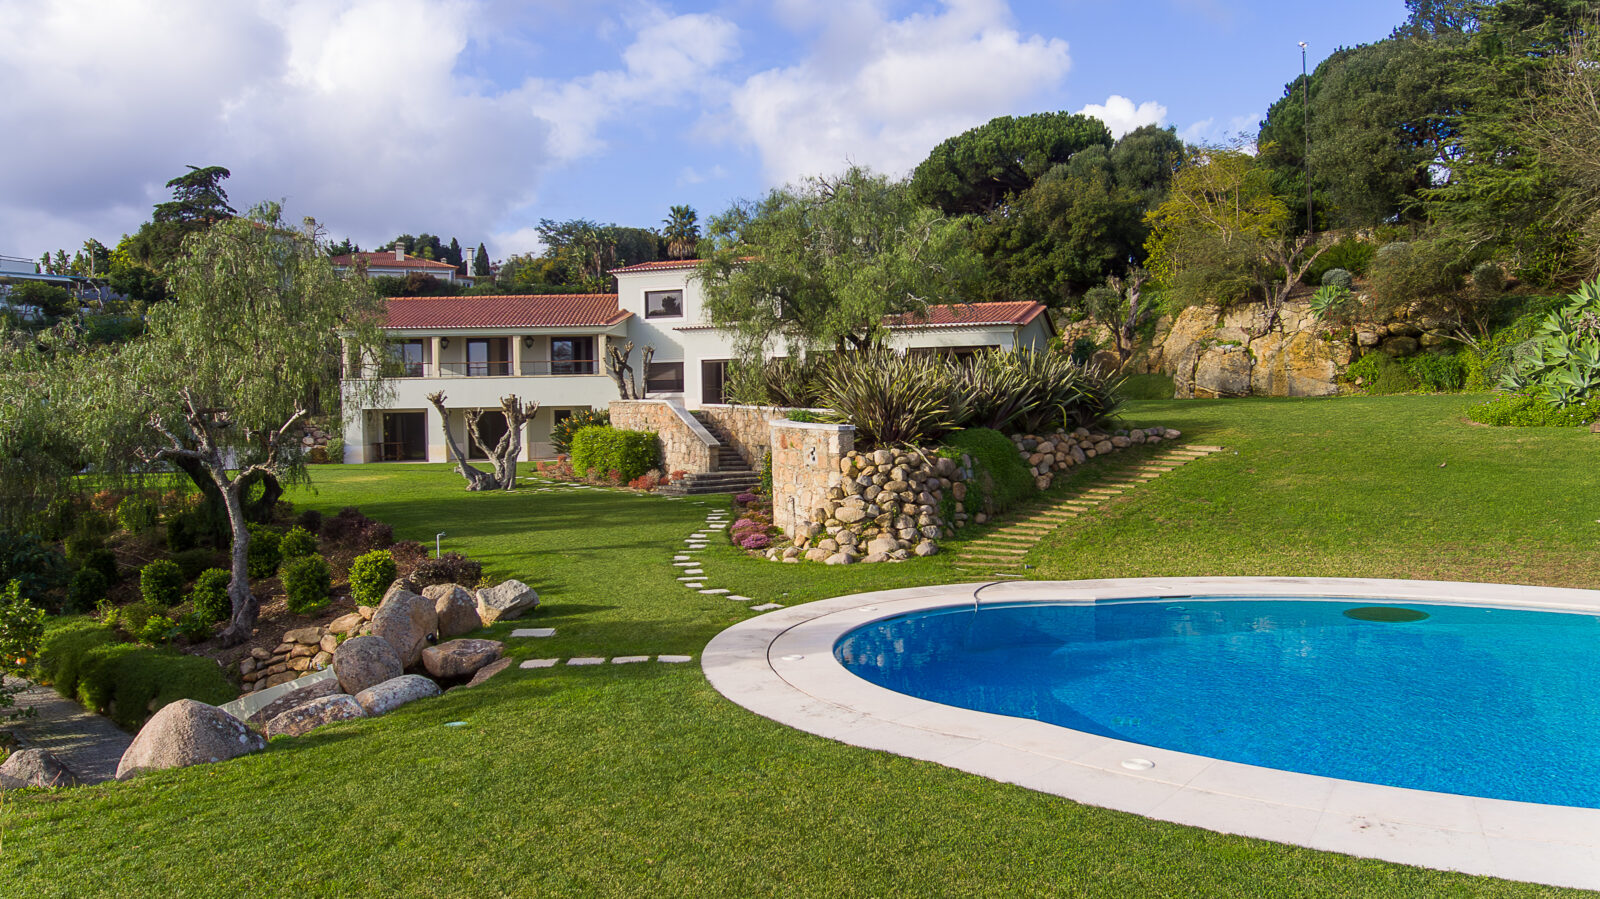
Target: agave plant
(792,381)
(1561,363)
(893,399)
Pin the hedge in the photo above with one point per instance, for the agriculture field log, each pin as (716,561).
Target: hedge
(82,659)
(1002,477)
(598,451)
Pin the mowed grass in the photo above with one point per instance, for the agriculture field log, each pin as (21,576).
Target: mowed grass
(641,780)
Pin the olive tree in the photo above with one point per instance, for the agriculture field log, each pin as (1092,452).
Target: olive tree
(224,374)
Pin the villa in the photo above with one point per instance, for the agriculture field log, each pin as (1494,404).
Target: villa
(552,349)
(395,263)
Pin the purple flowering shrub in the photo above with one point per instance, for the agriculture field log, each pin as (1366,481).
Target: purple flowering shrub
(745,499)
(754,540)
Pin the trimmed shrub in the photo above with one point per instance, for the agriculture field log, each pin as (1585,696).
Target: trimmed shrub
(598,451)
(298,542)
(265,553)
(136,513)
(193,561)
(1440,374)
(195,627)
(1000,475)
(307,580)
(127,682)
(103,561)
(311,520)
(210,594)
(561,433)
(1339,277)
(1518,410)
(450,568)
(161,583)
(370,576)
(87,587)
(157,630)
(352,529)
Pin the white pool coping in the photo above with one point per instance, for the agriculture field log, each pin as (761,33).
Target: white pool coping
(781,666)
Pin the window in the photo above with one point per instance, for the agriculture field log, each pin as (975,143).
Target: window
(663,304)
(664,377)
(487,357)
(412,356)
(572,355)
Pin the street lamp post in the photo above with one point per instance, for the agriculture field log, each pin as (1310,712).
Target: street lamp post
(1305,125)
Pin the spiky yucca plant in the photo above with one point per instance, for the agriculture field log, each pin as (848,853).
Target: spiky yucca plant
(893,399)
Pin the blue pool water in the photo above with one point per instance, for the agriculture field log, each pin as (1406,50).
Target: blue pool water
(1500,703)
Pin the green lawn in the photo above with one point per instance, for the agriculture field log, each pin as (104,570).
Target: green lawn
(642,780)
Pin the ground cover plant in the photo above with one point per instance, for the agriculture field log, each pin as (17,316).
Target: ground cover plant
(655,783)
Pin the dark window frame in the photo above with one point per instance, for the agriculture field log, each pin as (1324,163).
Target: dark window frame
(650,295)
(653,382)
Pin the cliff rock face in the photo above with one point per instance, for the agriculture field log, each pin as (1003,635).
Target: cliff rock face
(1212,353)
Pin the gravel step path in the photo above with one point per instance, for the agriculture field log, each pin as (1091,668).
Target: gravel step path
(1001,552)
(88,744)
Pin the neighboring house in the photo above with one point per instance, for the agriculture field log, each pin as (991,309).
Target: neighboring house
(552,349)
(394,263)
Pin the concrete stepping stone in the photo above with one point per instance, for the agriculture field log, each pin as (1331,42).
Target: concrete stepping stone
(674,659)
(681,558)
(691,577)
(629,660)
(715,591)
(695,585)
(534,632)
(694,571)
(765,607)
(687,563)
(737,598)
(539,663)
(586,660)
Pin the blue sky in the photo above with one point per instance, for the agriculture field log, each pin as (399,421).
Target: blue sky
(476,118)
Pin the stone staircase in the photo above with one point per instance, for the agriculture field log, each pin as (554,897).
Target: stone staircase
(732,475)
(1001,551)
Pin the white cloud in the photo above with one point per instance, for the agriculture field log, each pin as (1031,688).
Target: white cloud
(670,60)
(691,175)
(883,92)
(1121,116)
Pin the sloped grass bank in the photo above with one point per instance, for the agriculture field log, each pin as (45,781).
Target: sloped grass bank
(640,779)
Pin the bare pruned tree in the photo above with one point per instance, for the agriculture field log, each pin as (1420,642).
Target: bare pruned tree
(621,370)
(502,456)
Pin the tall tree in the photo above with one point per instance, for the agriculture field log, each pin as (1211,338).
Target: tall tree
(975,171)
(480,263)
(223,376)
(197,197)
(821,264)
(681,232)
(453,256)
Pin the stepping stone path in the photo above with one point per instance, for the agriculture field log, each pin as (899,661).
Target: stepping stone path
(692,576)
(1001,551)
(592,660)
(534,632)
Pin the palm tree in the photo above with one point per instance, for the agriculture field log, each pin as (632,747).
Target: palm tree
(681,232)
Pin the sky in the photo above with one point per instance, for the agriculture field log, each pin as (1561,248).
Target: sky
(475,119)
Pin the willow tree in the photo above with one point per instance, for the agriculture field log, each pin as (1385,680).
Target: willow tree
(225,374)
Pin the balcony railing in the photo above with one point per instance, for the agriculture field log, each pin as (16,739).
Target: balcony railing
(529,369)
(474,369)
(540,368)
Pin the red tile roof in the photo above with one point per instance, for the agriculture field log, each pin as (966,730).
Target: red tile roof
(970,315)
(385,259)
(581,310)
(662,265)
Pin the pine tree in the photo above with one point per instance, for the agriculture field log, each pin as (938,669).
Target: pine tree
(480,263)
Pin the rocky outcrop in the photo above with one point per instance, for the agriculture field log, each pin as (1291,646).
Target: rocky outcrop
(456,607)
(186,733)
(1214,353)
(460,658)
(392,694)
(407,621)
(297,695)
(362,662)
(300,651)
(507,599)
(306,717)
(34,768)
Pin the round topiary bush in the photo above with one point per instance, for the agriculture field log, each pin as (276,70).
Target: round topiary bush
(161,583)
(210,594)
(265,553)
(1338,277)
(87,587)
(370,576)
(307,580)
(298,542)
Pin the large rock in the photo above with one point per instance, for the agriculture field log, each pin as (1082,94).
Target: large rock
(882,545)
(34,768)
(186,733)
(507,599)
(394,693)
(406,620)
(460,658)
(456,607)
(309,716)
(312,690)
(1295,364)
(1224,371)
(489,671)
(362,662)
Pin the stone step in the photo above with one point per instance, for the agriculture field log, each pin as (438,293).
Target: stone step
(997,549)
(1204,448)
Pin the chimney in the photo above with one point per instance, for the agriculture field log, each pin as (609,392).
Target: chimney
(467,255)
(399,251)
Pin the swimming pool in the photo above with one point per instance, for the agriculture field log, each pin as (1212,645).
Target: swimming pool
(782,665)
(1478,701)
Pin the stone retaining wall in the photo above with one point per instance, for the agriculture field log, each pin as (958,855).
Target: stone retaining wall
(748,428)
(806,461)
(685,444)
(300,651)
